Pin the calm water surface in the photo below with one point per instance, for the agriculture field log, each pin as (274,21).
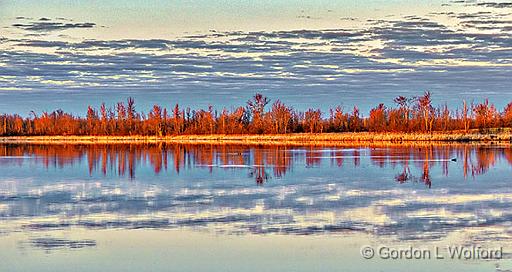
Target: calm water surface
(242,208)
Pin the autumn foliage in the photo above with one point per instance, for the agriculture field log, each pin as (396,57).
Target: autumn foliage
(259,116)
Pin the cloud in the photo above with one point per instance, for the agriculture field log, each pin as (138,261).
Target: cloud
(50,243)
(480,20)
(309,17)
(402,54)
(495,4)
(47,25)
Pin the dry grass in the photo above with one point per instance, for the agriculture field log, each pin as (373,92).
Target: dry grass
(331,139)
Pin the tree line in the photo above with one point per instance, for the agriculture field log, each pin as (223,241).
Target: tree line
(260,116)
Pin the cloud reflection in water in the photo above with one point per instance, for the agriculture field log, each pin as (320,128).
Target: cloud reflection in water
(406,193)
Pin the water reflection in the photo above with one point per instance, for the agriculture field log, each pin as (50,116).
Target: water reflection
(261,163)
(406,192)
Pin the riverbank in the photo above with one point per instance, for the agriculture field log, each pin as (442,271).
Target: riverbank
(280,139)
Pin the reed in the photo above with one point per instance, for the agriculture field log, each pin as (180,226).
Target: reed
(332,139)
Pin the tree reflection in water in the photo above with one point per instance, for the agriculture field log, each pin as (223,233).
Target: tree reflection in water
(261,162)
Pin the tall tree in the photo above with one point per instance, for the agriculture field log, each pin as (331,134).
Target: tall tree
(426,111)
(256,107)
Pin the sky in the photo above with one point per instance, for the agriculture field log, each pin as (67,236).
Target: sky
(70,54)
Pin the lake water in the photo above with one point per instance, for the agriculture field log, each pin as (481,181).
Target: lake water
(251,208)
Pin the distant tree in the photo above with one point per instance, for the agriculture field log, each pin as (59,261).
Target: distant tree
(339,120)
(104,119)
(404,109)
(131,115)
(177,120)
(122,119)
(256,107)
(465,117)
(445,118)
(485,115)
(355,120)
(92,120)
(377,121)
(426,111)
(280,115)
(155,121)
(313,121)
(507,115)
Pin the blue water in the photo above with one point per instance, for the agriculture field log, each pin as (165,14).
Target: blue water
(65,199)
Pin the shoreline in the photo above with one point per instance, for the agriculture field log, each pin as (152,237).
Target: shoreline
(277,139)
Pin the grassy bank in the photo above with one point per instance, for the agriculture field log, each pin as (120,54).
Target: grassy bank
(285,139)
